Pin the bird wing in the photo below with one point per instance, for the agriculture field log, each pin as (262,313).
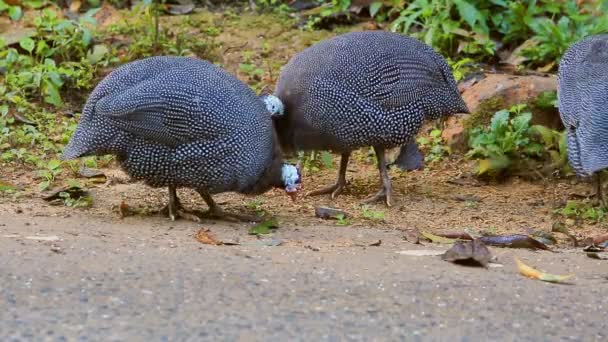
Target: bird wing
(165,112)
(401,79)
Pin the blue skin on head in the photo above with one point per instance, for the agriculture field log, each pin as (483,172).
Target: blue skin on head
(291,179)
(273,105)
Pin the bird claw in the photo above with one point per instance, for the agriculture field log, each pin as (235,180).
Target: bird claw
(178,212)
(383,195)
(219,214)
(334,190)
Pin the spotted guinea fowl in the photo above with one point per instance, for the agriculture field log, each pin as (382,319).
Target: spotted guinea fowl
(183,122)
(583,105)
(363,89)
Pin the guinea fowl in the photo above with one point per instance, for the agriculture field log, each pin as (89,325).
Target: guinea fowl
(583,106)
(363,89)
(183,122)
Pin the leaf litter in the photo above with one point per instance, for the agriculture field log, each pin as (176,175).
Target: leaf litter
(266,227)
(470,253)
(204,236)
(533,273)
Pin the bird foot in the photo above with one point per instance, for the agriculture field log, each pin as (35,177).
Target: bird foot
(335,190)
(383,195)
(219,214)
(177,212)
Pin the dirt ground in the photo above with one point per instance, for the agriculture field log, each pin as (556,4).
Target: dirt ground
(437,199)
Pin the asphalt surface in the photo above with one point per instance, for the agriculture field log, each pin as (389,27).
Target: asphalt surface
(147,279)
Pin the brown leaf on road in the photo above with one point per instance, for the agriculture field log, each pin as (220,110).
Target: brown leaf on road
(204,236)
(471,253)
(513,241)
(456,235)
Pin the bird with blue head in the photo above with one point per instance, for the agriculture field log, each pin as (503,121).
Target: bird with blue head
(184,122)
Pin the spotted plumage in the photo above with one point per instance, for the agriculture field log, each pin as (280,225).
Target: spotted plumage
(183,122)
(583,105)
(363,89)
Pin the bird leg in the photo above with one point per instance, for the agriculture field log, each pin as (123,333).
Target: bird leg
(599,192)
(386,190)
(337,188)
(215,212)
(175,210)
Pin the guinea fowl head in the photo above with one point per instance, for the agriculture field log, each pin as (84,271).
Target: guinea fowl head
(292,179)
(274,105)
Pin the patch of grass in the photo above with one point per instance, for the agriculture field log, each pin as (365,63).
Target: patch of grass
(342,220)
(582,210)
(372,215)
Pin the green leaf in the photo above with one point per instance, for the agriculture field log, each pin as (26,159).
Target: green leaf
(27,44)
(264,227)
(521,122)
(374,8)
(54,164)
(472,16)
(15,13)
(546,134)
(499,121)
(44,185)
(98,53)
(52,93)
(41,47)
(435,133)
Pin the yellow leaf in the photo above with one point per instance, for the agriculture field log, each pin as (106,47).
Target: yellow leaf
(530,272)
(484,166)
(75,6)
(437,239)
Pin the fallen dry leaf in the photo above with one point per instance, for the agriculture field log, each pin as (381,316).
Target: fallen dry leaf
(596,255)
(513,241)
(473,253)
(530,272)
(456,235)
(204,236)
(437,239)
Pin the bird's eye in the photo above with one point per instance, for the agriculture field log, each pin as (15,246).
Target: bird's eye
(572,128)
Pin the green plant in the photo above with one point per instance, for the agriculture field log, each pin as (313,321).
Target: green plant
(542,29)
(585,211)
(271,6)
(554,34)
(373,215)
(434,143)
(51,170)
(342,220)
(505,142)
(314,161)
(460,68)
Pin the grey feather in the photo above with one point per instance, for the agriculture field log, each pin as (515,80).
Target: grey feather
(183,122)
(583,103)
(363,89)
